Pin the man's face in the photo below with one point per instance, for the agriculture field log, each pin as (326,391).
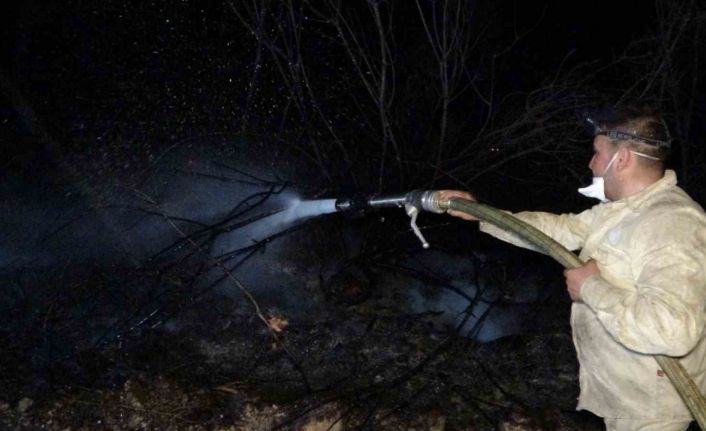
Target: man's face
(602,153)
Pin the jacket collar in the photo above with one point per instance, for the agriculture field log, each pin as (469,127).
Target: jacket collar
(640,198)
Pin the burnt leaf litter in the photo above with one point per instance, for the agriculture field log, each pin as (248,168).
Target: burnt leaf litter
(223,370)
(84,361)
(141,138)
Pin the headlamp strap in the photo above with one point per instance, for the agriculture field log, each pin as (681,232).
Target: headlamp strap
(618,135)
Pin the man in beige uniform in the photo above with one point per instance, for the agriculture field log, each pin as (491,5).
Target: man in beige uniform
(643,289)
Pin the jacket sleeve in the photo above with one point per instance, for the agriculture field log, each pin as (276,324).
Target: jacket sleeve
(570,230)
(664,311)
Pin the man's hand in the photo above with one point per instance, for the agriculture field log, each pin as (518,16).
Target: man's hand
(576,277)
(445,195)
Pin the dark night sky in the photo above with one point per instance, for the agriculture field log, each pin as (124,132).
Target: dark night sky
(34,31)
(112,86)
(39,35)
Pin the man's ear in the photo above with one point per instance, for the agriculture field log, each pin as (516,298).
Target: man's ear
(623,159)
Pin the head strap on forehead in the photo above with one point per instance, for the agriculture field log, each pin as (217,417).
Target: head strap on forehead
(624,136)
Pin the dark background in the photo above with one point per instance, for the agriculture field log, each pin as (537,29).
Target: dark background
(137,138)
(128,80)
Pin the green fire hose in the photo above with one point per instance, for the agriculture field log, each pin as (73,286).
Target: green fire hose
(686,387)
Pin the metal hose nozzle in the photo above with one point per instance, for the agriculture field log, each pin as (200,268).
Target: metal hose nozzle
(413,202)
(427,200)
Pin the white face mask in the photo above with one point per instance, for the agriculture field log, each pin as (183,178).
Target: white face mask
(597,188)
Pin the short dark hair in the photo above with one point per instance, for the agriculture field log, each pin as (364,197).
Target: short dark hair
(640,127)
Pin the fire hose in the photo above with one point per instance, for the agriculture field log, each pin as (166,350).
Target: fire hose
(685,386)
(428,200)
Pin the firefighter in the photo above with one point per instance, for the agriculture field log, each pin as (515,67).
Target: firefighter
(642,291)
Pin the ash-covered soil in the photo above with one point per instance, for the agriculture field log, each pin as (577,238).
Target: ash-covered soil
(348,367)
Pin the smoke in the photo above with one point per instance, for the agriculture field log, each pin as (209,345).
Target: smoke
(241,209)
(465,298)
(119,224)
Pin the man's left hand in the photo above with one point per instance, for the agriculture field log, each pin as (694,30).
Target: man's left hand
(576,277)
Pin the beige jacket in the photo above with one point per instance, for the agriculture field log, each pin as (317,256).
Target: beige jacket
(649,299)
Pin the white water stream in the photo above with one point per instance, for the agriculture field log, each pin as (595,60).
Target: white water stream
(273,224)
